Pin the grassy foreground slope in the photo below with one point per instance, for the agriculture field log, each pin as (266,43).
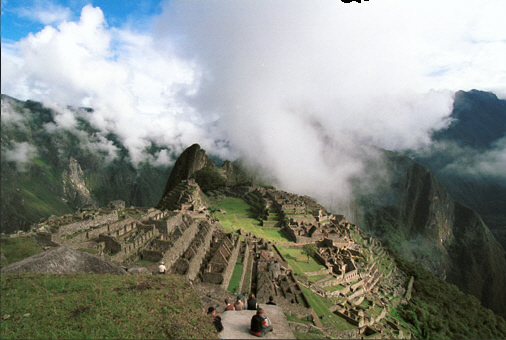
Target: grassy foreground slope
(80,306)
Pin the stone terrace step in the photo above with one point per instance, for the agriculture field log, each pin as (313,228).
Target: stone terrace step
(236,324)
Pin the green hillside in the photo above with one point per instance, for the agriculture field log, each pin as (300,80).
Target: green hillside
(47,169)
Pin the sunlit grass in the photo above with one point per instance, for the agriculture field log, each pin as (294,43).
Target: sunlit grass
(321,307)
(333,288)
(236,216)
(235,280)
(298,260)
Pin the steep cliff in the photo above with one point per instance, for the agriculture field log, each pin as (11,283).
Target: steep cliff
(417,217)
(466,156)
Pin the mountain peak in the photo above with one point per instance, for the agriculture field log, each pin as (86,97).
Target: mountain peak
(478,120)
(192,159)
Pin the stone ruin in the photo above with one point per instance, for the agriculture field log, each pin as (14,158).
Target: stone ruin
(222,259)
(190,243)
(188,246)
(305,221)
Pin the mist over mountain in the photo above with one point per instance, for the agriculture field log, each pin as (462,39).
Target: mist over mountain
(435,205)
(55,160)
(469,156)
(416,216)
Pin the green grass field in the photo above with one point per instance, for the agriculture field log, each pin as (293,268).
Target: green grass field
(17,248)
(237,216)
(80,306)
(321,307)
(333,288)
(298,260)
(233,286)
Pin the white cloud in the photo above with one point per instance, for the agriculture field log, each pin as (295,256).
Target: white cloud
(63,117)
(45,12)
(296,86)
(21,154)
(101,144)
(470,161)
(10,116)
(132,84)
(379,73)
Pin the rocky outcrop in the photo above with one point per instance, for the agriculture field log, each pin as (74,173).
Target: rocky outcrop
(75,189)
(62,260)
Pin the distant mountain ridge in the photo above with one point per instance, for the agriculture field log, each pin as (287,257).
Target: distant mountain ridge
(478,120)
(417,217)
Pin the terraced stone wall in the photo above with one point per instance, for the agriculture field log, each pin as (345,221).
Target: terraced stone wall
(200,249)
(189,228)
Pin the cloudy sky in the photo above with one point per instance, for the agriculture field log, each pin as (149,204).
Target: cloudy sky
(296,87)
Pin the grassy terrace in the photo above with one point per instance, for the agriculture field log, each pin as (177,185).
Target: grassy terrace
(298,260)
(236,216)
(17,249)
(333,288)
(321,306)
(235,280)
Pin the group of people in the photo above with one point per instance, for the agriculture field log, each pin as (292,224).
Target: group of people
(251,303)
(260,323)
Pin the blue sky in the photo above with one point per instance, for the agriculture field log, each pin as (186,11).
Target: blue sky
(298,82)
(20,17)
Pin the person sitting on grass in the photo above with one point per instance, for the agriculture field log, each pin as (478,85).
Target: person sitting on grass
(216,319)
(260,324)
